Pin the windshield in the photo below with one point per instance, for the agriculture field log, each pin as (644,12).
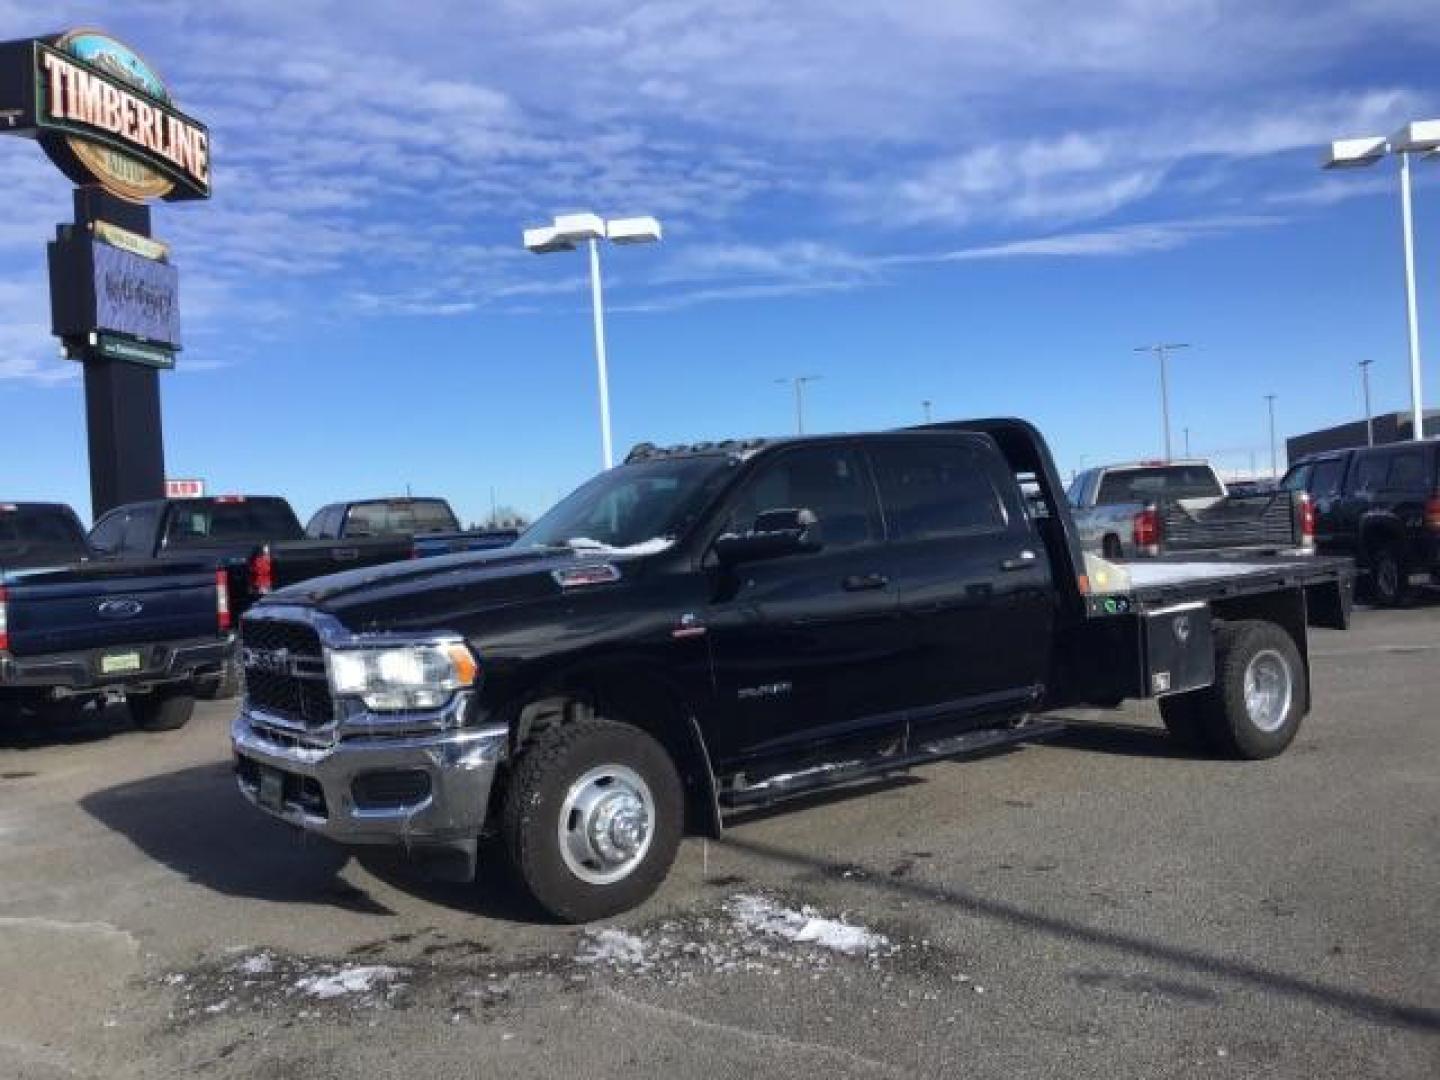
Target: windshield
(638,507)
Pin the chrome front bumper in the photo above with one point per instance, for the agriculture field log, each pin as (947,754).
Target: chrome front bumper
(316,788)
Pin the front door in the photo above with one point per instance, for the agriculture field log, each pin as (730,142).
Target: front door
(806,647)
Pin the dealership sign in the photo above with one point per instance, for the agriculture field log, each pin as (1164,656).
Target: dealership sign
(104,116)
(189,488)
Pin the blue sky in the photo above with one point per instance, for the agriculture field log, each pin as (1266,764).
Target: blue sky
(984,205)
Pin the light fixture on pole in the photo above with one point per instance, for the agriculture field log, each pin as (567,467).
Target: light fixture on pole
(925,405)
(570,230)
(799,381)
(1163,351)
(1274,459)
(1421,137)
(1365,385)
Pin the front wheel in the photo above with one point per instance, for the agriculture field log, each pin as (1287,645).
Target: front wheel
(592,818)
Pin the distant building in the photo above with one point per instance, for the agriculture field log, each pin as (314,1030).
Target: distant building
(1389,428)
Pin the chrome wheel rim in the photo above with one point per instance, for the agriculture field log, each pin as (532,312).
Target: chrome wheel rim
(1269,689)
(606,824)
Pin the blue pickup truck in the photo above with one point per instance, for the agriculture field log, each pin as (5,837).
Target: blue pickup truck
(73,629)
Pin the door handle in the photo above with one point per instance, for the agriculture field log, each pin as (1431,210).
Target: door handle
(861,582)
(1023,561)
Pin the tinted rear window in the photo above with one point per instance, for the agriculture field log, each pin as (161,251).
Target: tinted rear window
(37,535)
(932,491)
(1407,472)
(206,523)
(1158,482)
(399,516)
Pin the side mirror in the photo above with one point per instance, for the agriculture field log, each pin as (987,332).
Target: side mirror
(775,533)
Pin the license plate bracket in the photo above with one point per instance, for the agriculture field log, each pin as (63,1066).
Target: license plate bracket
(272,789)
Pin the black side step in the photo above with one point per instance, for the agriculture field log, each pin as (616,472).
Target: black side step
(824,776)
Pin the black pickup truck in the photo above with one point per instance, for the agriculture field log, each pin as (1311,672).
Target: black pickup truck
(727,624)
(72,629)
(1380,505)
(430,524)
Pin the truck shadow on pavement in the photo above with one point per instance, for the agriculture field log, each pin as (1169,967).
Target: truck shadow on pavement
(197,824)
(25,730)
(1366,1006)
(1119,738)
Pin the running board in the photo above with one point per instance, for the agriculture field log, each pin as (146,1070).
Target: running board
(825,776)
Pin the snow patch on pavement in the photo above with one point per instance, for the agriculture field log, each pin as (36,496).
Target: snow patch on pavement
(804,926)
(358,979)
(259,964)
(610,946)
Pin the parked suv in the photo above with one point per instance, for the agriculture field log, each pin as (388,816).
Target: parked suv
(1380,505)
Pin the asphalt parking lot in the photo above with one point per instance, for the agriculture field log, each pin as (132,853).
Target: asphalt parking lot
(1099,906)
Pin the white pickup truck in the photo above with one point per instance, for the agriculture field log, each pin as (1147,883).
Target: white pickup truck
(1151,508)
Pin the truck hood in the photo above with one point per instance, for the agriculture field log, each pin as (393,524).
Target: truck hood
(421,592)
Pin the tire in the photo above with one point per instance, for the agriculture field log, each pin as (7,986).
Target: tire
(161,710)
(1111,549)
(222,686)
(1237,725)
(606,766)
(1389,575)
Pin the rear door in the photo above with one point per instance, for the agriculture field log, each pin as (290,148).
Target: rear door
(972,577)
(807,653)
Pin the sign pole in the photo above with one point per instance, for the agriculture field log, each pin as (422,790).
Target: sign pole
(122,399)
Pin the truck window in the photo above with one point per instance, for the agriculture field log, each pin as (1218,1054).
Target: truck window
(1326,478)
(36,535)
(1297,479)
(1407,472)
(829,480)
(197,523)
(1158,482)
(384,517)
(931,491)
(322,525)
(1370,472)
(105,537)
(139,532)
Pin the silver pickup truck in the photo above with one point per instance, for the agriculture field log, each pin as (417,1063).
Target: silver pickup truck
(1154,507)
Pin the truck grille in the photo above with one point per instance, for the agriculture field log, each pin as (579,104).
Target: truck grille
(285,671)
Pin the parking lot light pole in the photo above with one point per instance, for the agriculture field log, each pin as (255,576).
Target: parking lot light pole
(926,406)
(1365,386)
(1163,352)
(799,381)
(1274,459)
(564,234)
(1421,137)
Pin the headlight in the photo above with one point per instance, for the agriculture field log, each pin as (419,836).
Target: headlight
(394,678)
